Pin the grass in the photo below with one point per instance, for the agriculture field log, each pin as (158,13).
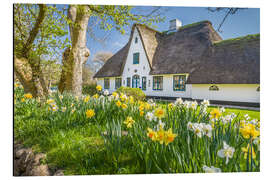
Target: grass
(77,144)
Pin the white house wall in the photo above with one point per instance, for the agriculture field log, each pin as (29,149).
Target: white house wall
(227,92)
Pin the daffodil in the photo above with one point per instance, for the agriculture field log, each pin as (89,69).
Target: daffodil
(178,101)
(98,88)
(22,100)
(211,169)
(141,107)
(64,109)
(86,99)
(170,106)
(131,99)
(90,113)
(161,135)
(50,101)
(169,136)
(149,116)
(124,106)
(226,152)
(106,93)
(129,122)
(249,131)
(118,103)
(159,113)
(61,97)
(28,96)
(95,96)
(141,113)
(215,113)
(151,134)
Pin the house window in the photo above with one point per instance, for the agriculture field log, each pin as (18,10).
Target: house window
(106,83)
(179,83)
(136,58)
(144,83)
(157,82)
(136,39)
(136,81)
(128,82)
(213,88)
(118,82)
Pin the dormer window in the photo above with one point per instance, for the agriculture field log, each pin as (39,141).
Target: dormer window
(136,40)
(136,58)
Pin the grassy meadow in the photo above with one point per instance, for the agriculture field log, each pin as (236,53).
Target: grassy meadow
(114,134)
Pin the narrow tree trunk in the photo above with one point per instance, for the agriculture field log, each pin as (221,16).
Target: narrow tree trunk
(28,70)
(30,77)
(78,54)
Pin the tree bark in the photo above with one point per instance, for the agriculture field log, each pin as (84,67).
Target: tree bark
(78,54)
(27,68)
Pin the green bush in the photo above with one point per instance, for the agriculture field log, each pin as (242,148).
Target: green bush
(89,89)
(137,93)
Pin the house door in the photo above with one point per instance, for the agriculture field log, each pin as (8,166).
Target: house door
(136,81)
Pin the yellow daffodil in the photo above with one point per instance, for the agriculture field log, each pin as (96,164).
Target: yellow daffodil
(124,106)
(28,96)
(95,96)
(123,97)
(114,94)
(99,88)
(169,136)
(147,106)
(86,99)
(131,99)
(16,85)
(118,103)
(22,100)
(161,135)
(50,101)
(151,134)
(141,107)
(141,113)
(249,130)
(129,122)
(159,113)
(215,113)
(90,113)
(170,106)
(247,150)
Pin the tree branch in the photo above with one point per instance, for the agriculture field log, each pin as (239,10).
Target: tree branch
(35,30)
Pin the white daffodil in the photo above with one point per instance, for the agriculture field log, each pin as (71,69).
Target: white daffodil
(150,116)
(193,105)
(205,103)
(160,124)
(246,116)
(63,109)
(211,169)
(207,129)
(178,101)
(222,110)
(226,119)
(198,129)
(187,104)
(190,126)
(61,97)
(226,152)
(106,93)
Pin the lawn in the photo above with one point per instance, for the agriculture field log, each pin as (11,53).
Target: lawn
(115,135)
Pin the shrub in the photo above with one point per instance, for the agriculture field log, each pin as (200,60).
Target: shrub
(137,93)
(89,89)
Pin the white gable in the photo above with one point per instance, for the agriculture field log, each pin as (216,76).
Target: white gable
(141,69)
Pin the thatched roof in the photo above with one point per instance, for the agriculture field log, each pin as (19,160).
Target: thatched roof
(196,49)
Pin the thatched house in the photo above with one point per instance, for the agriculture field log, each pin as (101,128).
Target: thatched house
(191,61)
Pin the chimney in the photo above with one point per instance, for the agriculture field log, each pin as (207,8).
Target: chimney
(175,24)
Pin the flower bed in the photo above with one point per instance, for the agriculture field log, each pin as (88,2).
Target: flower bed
(105,134)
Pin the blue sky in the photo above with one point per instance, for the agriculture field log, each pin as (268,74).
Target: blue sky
(244,22)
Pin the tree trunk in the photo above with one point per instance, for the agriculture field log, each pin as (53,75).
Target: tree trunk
(30,77)
(28,69)
(71,79)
